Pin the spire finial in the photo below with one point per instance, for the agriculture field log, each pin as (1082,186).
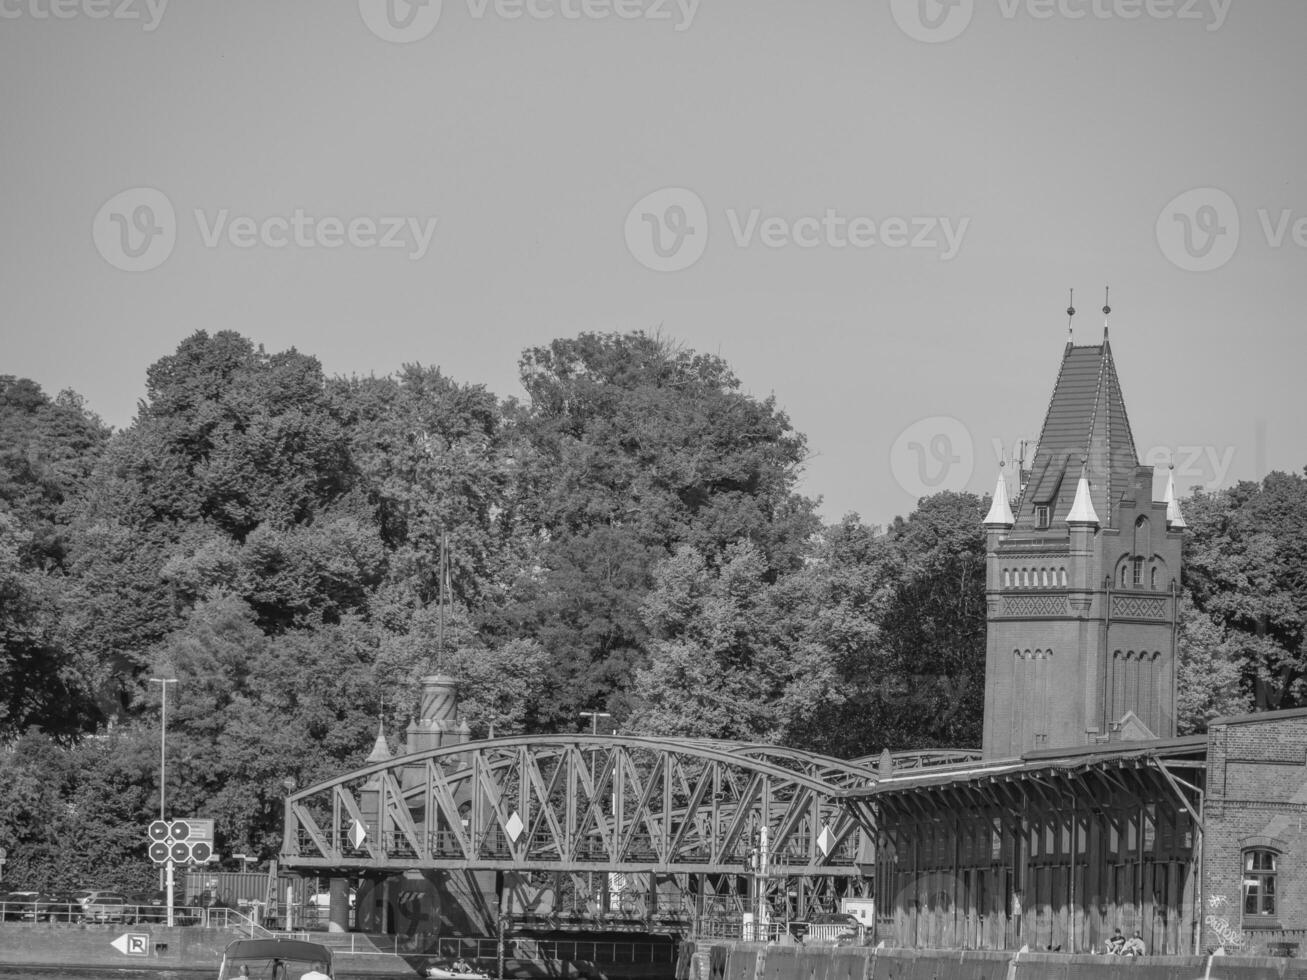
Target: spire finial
(1070,315)
(1000,510)
(1107,308)
(1082,508)
(1174,518)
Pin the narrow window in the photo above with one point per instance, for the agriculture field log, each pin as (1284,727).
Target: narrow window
(1138,564)
(1007,578)
(1041,516)
(1259,871)
(1064,576)
(1143,546)
(1153,579)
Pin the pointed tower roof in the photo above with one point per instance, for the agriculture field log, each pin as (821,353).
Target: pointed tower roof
(1086,420)
(1082,508)
(1174,518)
(1000,511)
(380,750)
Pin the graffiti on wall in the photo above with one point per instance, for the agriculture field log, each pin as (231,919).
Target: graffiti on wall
(1230,935)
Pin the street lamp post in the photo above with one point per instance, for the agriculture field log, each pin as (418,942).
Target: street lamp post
(163,683)
(594,717)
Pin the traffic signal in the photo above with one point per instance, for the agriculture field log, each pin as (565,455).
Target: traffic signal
(181,841)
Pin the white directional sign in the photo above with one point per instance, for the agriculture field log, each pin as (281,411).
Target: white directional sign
(514,827)
(358,834)
(133,944)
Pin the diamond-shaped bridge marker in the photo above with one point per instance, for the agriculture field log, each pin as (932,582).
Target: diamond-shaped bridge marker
(825,840)
(514,827)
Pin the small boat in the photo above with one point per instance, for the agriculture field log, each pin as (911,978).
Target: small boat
(275,959)
(459,971)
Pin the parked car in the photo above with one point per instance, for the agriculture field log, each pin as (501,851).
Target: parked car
(835,919)
(19,905)
(58,907)
(82,894)
(148,906)
(39,904)
(105,907)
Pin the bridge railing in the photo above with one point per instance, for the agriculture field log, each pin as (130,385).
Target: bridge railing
(494,845)
(484,950)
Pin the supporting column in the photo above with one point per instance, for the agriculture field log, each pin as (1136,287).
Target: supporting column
(339,909)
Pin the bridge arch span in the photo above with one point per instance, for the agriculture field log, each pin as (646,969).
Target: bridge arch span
(584,803)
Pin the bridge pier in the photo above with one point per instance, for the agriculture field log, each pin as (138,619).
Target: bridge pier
(338,908)
(430,902)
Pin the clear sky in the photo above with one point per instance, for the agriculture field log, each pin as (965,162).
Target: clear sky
(871,209)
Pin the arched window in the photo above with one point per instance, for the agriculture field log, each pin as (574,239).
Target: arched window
(1043,574)
(1152,578)
(1142,544)
(1064,577)
(1007,578)
(1260,867)
(1124,572)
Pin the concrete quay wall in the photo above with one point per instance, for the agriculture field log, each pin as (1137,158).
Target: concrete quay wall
(78,945)
(161,948)
(755,961)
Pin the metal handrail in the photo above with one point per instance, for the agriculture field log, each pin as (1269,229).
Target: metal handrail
(562,950)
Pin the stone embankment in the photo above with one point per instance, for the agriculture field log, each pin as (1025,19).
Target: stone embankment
(756,961)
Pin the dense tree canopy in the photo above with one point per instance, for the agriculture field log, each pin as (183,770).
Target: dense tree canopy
(298,550)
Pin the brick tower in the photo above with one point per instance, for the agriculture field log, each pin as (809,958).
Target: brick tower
(1081,579)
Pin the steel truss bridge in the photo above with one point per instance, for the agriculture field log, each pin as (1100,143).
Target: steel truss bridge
(740,823)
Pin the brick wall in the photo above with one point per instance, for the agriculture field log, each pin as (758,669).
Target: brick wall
(1256,798)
